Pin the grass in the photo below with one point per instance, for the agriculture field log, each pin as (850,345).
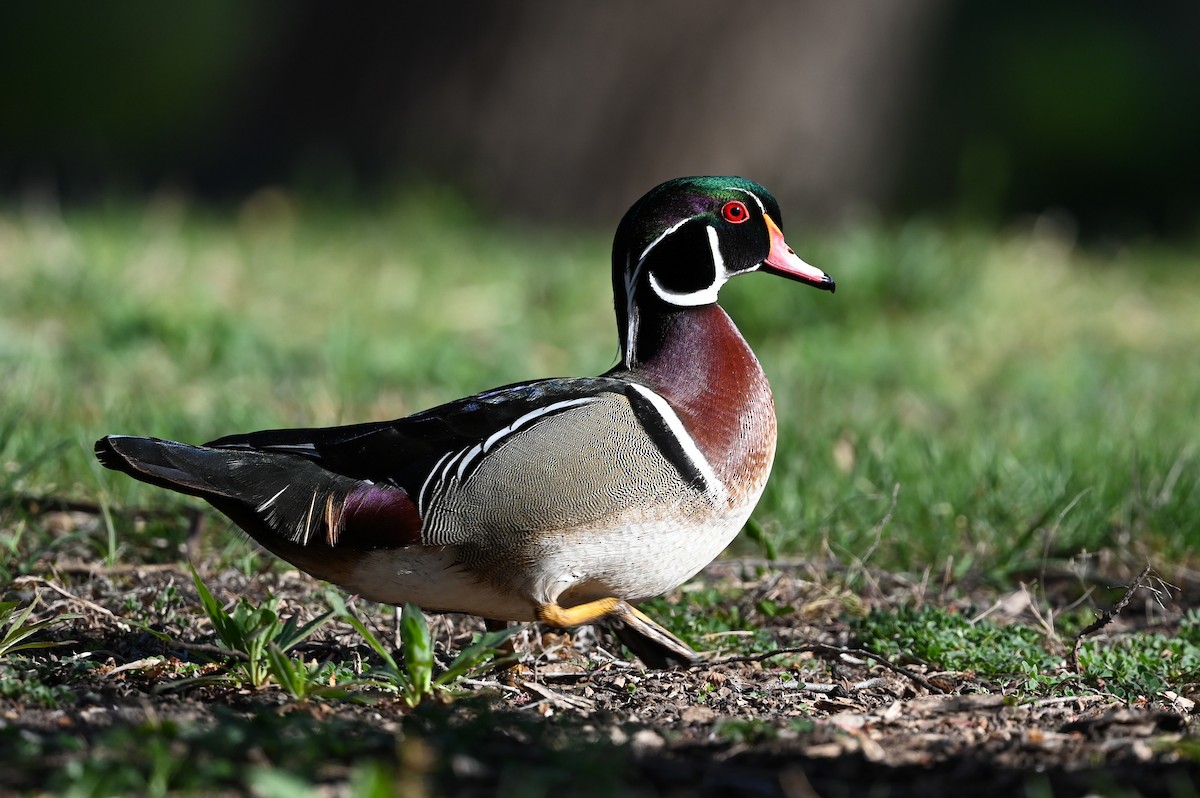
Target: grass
(1028,398)
(259,641)
(1029,662)
(978,404)
(262,638)
(415,681)
(16,630)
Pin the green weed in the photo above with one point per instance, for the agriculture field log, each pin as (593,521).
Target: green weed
(304,681)
(416,681)
(1144,664)
(949,641)
(704,615)
(20,678)
(26,681)
(261,640)
(17,630)
(260,637)
(1020,657)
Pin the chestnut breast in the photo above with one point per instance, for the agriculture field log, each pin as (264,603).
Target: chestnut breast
(705,369)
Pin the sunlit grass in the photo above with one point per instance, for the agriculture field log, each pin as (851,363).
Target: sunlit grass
(1028,398)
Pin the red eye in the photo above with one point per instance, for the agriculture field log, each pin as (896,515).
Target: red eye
(735,211)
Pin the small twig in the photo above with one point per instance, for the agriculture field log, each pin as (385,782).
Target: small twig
(90,569)
(210,650)
(825,648)
(490,684)
(39,505)
(865,684)
(91,605)
(559,700)
(1105,619)
(199,648)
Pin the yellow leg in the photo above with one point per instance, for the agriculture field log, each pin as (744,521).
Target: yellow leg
(653,644)
(580,614)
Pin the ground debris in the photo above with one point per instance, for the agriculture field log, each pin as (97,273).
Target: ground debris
(816,715)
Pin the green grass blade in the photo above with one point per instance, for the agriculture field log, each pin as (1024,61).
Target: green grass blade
(481,652)
(290,636)
(288,673)
(340,610)
(223,624)
(17,630)
(418,651)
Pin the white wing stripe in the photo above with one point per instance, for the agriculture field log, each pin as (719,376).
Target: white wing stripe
(531,415)
(472,453)
(716,486)
(425,486)
(262,507)
(445,470)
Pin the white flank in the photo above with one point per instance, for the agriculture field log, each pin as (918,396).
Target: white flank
(716,488)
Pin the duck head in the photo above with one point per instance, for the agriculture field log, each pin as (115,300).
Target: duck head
(685,238)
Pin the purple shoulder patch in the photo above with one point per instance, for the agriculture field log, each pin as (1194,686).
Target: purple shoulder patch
(376,516)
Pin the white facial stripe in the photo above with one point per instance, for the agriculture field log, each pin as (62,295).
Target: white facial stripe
(656,241)
(705,296)
(714,243)
(631,319)
(631,279)
(671,419)
(753,196)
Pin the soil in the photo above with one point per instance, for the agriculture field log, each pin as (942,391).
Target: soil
(577,718)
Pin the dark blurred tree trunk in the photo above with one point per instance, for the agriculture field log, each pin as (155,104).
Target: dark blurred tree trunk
(545,109)
(573,109)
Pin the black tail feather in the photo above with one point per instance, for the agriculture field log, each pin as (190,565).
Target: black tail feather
(269,494)
(166,464)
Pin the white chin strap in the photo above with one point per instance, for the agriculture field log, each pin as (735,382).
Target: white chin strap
(705,296)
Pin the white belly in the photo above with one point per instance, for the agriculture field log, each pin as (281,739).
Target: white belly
(430,578)
(645,560)
(632,558)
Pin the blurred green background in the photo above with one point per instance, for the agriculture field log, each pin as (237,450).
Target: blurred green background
(227,216)
(569,111)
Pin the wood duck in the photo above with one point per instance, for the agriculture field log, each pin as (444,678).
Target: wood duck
(558,500)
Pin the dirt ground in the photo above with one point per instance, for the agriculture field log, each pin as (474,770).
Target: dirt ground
(578,719)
